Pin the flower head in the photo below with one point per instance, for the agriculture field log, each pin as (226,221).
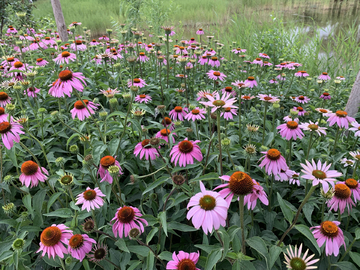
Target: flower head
(341,118)
(273,162)
(341,198)
(183,261)
(185,152)
(90,199)
(216,102)
(31,174)
(98,253)
(290,130)
(216,75)
(10,133)
(126,218)
(313,127)
(105,163)
(80,245)
(81,111)
(66,82)
(208,210)
(295,261)
(145,149)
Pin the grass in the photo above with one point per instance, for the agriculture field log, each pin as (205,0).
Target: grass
(297,32)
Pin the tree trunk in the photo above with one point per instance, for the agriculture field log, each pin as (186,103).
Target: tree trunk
(59,18)
(353,103)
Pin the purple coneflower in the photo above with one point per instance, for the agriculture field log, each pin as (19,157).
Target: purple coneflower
(98,253)
(185,152)
(196,114)
(355,128)
(295,261)
(183,261)
(4,99)
(66,82)
(80,110)
(328,232)
(354,187)
(65,57)
(347,162)
(257,61)
(247,97)
(324,76)
(228,113)
(90,199)
(268,98)
(127,218)
(214,62)
(301,110)
(80,245)
(229,90)
(41,62)
(10,133)
(203,60)
(302,99)
(323,111)
(143,98)
(341,118)
(341,199)
(216,102)
(290,130)
(216,75)
(314,127)
(78,45)
(264,55)
(325,96)
(238,50)
(273,162)
(164,134)
(251,82)
(3,116)
(105,163)
(178,113)
(301,73)
(142,57)
(200,32)
(204,93)
(137,82)
(32,91)
(145,149)
(320,174)
(209,210)
(31,174)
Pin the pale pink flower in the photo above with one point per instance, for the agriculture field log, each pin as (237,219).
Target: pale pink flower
(302,99)
(355,128)
(200,32)
(185,152)
(290,130)
(341,199)
(10,133)
(294,258)
(324,76)
(251,82)
(216,75)
(127,218)
(143,98)
(216,102)
(228,113)
(208,210)
(183,260)
(32,91)
(137,82)
(341,118)
(273,162)
(301,73)
(196,114)
(268,98)
(178,113)
(65,57)
(66,82)
(90,199)
(314,127)
(80,110)
(238,50)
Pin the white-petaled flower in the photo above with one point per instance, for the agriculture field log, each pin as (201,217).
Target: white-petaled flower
(295,261)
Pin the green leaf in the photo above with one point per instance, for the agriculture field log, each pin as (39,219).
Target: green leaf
(27,202)
(212,259)
(162,217)
(308,234)
(153,185)
(134,265)
(345,265)
(308,209)
(10,222)
(259,245)
(140,250)
(151,234)
(62,212)
(206,177)
(269,138)
(355,257)
(226,241)
(357,233)
(274,252)
(150,261)
(285,209)
(52,199)
(122,245)
(86,265)
(6,255)
(173,225)
(165,255)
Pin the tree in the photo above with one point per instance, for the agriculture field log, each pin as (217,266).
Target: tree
(59,19)
(353,103)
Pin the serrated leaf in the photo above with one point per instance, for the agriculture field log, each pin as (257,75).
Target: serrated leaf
(162,217)
(308,234)
(212,259)
(285,209)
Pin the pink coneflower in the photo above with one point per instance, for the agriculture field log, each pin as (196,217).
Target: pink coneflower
(301,110)
(181,50)
(52,241)
(181,76)
(66,82)
(283,175)
(36,44)
(301,73)
(273,161)
(209,210)
(290,130)
(257,61)
(247,97)
(325,96)
(104,37)
(31,174)
(228,113)
(196,114)
(240,84)
(329,232)
(347,162)
(354,188)
(314,127)
(355,128)
(166,122)
(341,78)
(105,163)
(11,30)
(97,59)
(266,64)
(268,98)
(137,82)
(142,57)
(204,93)
(94,43)
(229,90)
(264,55)
(20,66)
(178,113)
(289,118)
(238,184)
(127,218)
(281,77)
(143,98)
(216,75)
(294,261)
(341,118)
(145,149)
(184,261)
(185,152)
(74,24)
(273,81)
(10,133)
(78,45)
(80,245)
(323,111)
(203,60)
(251,81)
(341,199)
(214,62)
(64,57)
(90,199)
(302,99)
(80,110)
(41,62)
(320,174)
(257,193)
(215,102)
(324,76)
(110,93)
(294,178)
(3,116)
(165,134)
(238,50)
(4,99)
(200,32)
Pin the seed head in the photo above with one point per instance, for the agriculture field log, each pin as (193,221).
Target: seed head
(60,161)
(18,244)
(9,208)
(114,171)
(134,233)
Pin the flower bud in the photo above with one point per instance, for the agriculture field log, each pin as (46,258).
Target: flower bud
(9,208)
(18,244)
(103,115)
(74,149)
(114,171)
(60,161)
(42,110)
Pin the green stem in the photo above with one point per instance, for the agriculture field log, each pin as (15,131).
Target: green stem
(241,213)
(336,139)
(265,112)
(271,191)
(355,168)
(347,250)
(312,189)
(62,263)
(125,121)
(219,139)
(240,128)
